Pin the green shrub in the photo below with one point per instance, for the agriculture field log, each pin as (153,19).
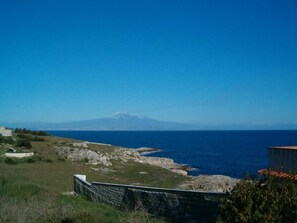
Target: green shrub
(37,139)
(7,140)
(27,131)
(22,136)
(272,200)
(8,160)
(30,160)
(24,143)
(31,138)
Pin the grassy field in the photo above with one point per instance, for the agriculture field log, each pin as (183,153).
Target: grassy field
(27,202)
(31,188)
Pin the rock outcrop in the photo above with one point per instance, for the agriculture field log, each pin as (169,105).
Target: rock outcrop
(217,183)
(81,154)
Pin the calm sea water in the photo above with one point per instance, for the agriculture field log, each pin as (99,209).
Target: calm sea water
(231,153)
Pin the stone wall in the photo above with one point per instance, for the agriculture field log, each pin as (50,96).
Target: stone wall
(283,158)
(178,205)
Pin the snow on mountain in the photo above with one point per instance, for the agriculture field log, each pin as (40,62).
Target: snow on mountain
(124,115)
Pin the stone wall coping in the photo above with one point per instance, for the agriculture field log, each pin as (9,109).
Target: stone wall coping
(82,178)
(18,155)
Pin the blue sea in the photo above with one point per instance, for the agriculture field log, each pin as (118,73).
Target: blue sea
(231,153)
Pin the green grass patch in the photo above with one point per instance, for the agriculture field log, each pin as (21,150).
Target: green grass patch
(32,159)
(146,175)
(10,161)
(27,202)
(19,191)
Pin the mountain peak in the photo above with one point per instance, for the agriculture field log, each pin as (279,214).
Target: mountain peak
(124,115)
(120,121)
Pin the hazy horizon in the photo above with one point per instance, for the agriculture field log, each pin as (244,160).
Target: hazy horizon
(132,122)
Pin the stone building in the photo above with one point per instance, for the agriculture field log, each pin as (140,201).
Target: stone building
(5,132)
(283,158)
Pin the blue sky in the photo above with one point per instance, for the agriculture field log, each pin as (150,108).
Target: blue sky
(208,62)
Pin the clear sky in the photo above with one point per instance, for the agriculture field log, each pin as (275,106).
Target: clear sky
(191,61)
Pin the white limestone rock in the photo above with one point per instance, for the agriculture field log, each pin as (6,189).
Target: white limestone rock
(78,154)
(214,183)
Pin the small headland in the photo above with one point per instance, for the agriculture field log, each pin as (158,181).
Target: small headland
(109,156)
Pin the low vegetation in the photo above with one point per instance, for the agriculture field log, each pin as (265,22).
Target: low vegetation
(6,140)
(269,200)
(27,202)
(30,137)
(27,131)
(33,159)
(24,143)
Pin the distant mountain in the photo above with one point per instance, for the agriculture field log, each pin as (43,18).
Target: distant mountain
(120,121)
(125,121)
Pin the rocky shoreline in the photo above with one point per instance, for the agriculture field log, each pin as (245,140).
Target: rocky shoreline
(81,151)
(147,150)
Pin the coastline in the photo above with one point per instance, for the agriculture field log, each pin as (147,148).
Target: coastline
(210,152)
(217,182)
(140,155)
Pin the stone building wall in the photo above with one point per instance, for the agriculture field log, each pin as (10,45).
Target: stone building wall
(5,132)
(179,205)
(283,158)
